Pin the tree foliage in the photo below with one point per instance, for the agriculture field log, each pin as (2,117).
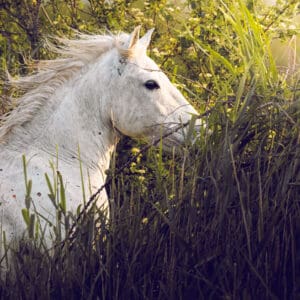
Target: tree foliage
(220,221)
(198,43)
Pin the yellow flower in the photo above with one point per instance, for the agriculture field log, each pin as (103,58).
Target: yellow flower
(145,221)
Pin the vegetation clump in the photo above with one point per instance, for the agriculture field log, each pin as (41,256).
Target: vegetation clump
(218,218)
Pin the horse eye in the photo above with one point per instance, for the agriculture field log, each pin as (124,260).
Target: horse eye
(151,85)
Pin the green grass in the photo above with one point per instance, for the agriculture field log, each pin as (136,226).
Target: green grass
(220,219)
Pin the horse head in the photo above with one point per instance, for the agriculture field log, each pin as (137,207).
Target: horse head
(145,102)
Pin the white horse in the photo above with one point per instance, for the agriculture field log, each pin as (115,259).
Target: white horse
(100,87)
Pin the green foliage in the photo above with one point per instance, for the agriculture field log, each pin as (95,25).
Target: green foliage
(57,195)
(215,219)
(29,218)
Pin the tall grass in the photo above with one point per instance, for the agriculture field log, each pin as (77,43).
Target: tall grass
(216,219)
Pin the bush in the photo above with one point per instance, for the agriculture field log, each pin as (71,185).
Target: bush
(220,220)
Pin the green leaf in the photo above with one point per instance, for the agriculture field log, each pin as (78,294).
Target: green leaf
(31,226)
(191,129)
(25,214)
(24,169)
(52,194)
(28,188)
(62,202)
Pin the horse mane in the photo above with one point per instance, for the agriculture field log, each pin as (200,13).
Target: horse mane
(73,55)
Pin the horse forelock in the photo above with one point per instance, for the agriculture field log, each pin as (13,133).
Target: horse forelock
(73,55)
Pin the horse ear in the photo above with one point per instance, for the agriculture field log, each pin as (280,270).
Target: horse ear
(145,40)
(135,44)
(134,37)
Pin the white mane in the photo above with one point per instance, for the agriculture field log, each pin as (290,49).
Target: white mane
(50,74)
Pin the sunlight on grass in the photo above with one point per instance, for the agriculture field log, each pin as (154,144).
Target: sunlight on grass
(217,218)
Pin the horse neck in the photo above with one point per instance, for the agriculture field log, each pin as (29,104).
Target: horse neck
(75,117)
